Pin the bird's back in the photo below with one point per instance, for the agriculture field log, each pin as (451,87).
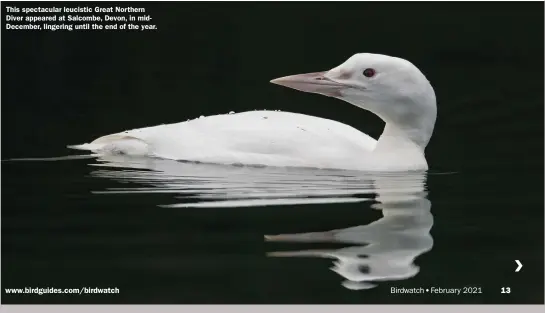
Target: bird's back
(269,138)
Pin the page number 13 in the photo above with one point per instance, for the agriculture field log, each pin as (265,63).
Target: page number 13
(505,290)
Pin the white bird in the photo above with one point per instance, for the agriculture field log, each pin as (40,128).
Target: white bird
(392,88)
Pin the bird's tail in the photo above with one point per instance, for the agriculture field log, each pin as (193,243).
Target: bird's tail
(116,144)
(86,147)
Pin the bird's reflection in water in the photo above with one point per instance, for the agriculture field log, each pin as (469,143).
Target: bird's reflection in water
(208,185)
(382,250)
(385,249)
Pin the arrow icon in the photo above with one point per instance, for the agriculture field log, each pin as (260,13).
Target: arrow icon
(519,265)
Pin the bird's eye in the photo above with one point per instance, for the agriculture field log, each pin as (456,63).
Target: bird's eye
(369,72)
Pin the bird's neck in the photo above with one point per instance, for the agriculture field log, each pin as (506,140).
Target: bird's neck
(398,145)
(395,137)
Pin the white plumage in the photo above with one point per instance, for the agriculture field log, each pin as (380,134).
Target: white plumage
(252,138)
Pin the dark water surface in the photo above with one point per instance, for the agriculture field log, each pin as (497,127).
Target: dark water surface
(185,233)
(168,232)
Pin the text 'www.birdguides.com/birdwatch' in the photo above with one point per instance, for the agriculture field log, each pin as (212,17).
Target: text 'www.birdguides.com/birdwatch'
(98,18)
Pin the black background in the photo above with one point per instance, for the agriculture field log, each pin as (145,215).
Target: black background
(484,60)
